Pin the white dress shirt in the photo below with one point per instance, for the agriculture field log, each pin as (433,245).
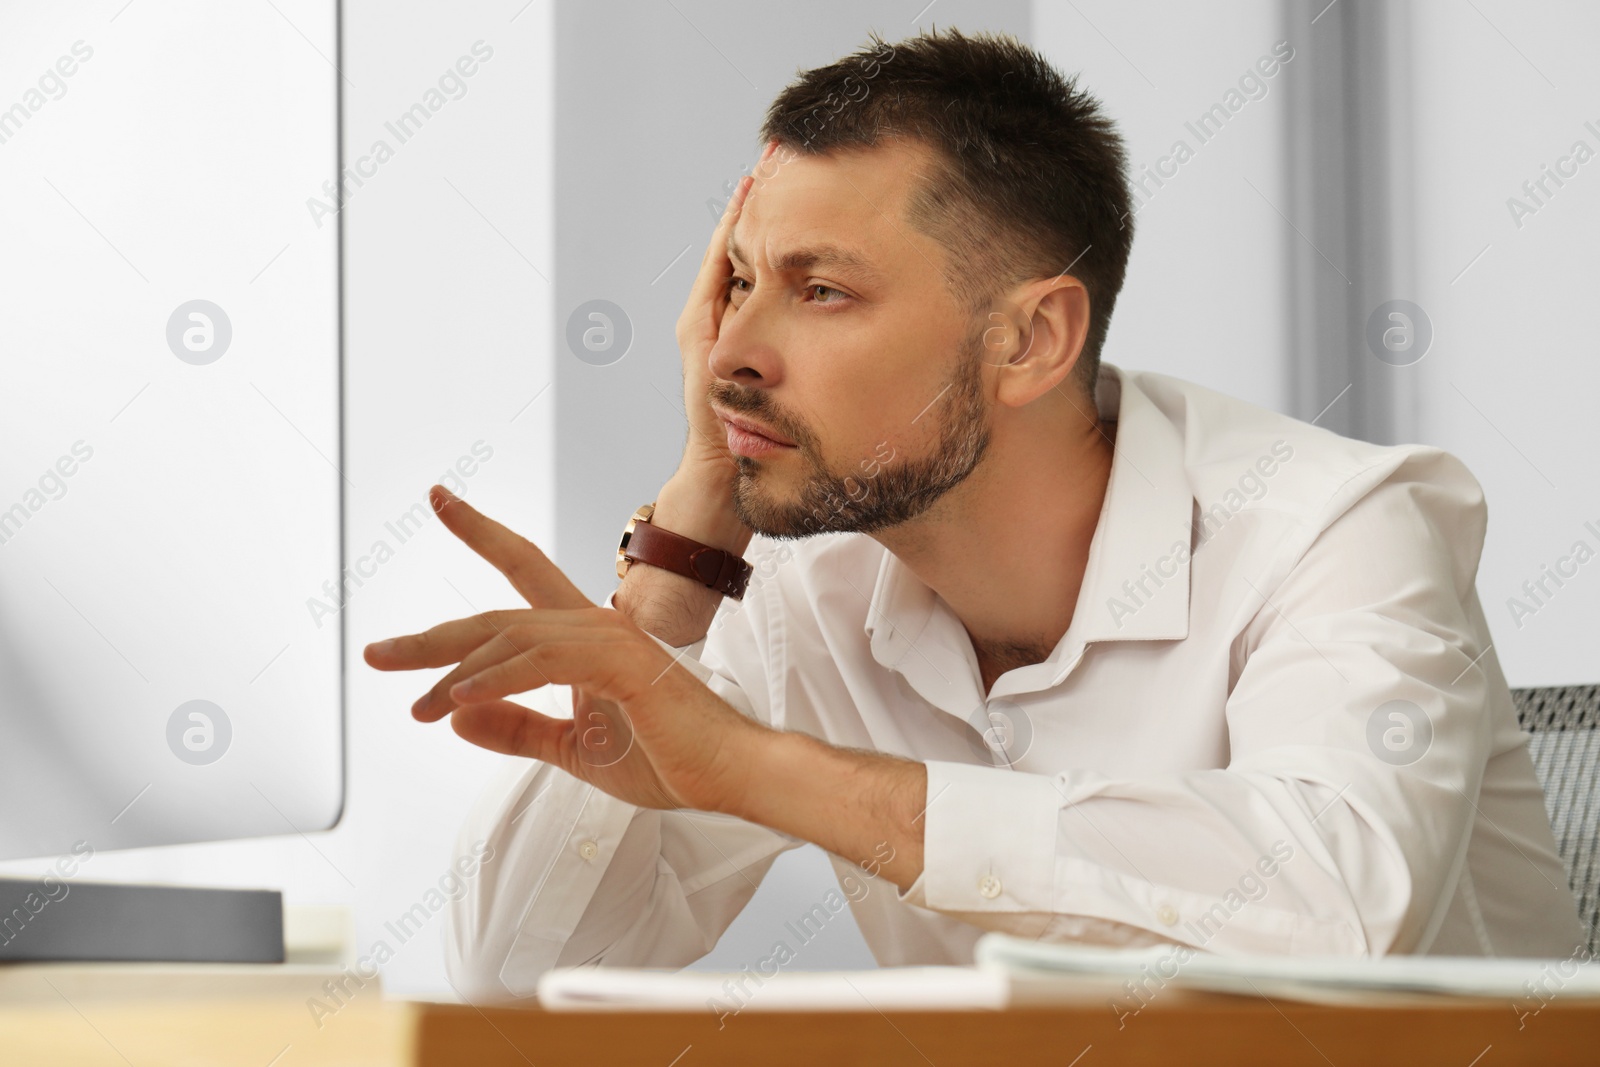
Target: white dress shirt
(1274,725)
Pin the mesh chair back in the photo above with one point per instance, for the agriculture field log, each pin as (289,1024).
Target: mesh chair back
(1563,723)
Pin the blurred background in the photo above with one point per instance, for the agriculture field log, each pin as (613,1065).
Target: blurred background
(1433,161)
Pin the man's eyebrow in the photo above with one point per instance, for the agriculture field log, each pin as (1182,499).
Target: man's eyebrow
(829,256)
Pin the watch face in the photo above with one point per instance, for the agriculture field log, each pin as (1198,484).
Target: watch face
(622,559)
(642,515)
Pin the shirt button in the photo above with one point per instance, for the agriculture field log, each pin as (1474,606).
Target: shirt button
(989,886)
(1167,914)
(588,850)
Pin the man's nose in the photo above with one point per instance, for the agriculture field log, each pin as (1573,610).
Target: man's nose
(747,350)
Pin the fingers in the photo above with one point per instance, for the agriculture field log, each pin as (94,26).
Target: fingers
(600,665)
(450,642)
(530,572)
(501,673)
(444,644)
(502,726)
(763,170)
(714,265)
(602,733)
(480,641)
(598,740)
(515,647)
(436,703)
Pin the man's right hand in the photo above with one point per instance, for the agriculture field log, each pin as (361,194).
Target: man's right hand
(706,451)
(697,501)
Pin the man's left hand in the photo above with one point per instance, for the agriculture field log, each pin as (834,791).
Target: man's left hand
(644,728)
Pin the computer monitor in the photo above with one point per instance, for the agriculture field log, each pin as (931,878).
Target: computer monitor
(171,479)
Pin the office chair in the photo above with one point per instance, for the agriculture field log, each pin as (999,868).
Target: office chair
(1563,723)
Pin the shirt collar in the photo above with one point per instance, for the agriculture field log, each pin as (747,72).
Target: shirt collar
(1136,581)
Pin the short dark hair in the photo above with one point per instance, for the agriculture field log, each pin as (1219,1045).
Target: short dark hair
(1030,179)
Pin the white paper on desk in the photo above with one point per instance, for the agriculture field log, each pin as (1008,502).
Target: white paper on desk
(901,988)
(1325,979)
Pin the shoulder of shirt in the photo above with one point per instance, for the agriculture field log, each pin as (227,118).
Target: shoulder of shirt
(1316,474)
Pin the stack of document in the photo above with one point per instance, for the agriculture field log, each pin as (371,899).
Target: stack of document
(1016,971)
(891,988)
(1320,979)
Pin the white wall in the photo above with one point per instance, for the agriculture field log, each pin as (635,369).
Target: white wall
(1511,382)
(1206,297)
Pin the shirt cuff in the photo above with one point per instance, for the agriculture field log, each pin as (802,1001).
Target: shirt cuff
(989,841)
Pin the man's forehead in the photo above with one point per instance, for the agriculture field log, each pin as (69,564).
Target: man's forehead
(840,212)
(803,254)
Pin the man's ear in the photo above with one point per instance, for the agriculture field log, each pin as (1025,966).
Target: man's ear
(1035,335)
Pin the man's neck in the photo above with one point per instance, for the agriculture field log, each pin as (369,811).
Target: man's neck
(1007,548)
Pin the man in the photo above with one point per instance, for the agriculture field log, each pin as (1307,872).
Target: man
(1026,642)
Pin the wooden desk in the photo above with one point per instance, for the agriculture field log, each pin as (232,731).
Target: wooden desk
(1202,1030)
(279,1031)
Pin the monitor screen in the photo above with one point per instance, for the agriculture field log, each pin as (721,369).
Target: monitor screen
(171,482)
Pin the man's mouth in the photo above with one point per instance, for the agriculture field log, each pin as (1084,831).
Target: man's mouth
(747,438)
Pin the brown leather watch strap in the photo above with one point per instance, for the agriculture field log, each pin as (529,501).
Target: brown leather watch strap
(715,568)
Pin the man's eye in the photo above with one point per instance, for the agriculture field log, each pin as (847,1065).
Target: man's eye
(822,294)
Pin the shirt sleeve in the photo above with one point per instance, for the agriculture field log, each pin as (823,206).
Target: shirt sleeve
(1359,731)
(572,875)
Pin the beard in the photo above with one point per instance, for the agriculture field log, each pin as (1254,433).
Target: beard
(894,492)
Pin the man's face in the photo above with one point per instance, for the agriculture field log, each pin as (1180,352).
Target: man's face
(865,361)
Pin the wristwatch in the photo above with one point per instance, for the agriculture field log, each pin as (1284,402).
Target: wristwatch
(715,568)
